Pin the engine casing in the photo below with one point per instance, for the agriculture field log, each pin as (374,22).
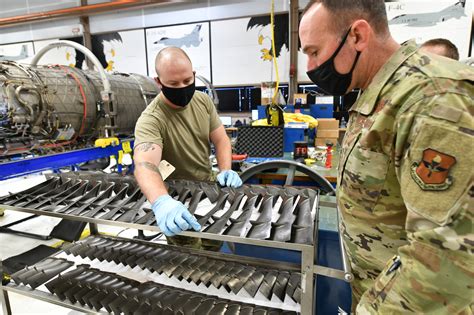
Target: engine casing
(43,106)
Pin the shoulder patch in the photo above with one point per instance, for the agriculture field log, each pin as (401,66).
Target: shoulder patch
(446,113)
(432,172)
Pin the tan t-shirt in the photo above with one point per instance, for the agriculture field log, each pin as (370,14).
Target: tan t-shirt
(182,133)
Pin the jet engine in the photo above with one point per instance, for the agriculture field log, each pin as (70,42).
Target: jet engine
(45,108)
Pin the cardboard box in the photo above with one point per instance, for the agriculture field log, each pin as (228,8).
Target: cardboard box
(265,100)
(328,124)
(328,100)
(323,133)
(267,88)
(323,141)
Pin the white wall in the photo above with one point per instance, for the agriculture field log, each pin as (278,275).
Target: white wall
(184,13)
(207,10)
(199,10)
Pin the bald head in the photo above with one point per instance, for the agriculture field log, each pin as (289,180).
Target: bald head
(174,68)
(170,56)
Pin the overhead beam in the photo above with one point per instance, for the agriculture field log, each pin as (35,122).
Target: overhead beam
(83,10)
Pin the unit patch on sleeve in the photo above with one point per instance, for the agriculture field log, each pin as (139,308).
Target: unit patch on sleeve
(432,172)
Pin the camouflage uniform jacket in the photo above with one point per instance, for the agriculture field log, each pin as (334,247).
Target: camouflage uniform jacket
(405,187)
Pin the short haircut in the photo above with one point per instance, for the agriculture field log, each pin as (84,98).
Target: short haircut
(345,12)
(451,49)
(169,51)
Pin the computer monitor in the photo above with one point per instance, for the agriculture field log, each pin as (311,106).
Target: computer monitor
(229,99)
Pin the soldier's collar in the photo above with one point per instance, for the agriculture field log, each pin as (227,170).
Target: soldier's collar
(168,108)
(366,102)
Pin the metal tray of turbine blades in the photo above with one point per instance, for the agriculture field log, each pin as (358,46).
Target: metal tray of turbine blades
(192,266)
(89,286)
(271,213)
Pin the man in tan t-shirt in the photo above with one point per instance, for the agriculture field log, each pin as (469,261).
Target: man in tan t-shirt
(177,126)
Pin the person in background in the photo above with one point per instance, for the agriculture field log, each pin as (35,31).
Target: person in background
(178,126)
(442,47)
(405,183)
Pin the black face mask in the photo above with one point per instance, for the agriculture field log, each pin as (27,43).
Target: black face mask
(179,96)
(328,79)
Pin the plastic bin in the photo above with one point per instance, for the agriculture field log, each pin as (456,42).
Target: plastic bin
(321,110)
(290,135)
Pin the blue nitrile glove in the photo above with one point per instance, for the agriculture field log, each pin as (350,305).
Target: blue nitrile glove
(172,216)
(229,178)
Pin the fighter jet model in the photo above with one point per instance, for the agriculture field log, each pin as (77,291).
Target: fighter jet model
(23,54)
(454,11)
(188,40)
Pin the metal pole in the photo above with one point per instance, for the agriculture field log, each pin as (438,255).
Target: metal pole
(307,280)
(86,35)
(346,265)
(5,302)
(293,31)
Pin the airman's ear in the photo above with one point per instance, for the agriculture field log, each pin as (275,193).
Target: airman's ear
(360,34)
(157,80)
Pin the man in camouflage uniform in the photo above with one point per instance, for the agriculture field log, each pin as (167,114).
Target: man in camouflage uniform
(405,184)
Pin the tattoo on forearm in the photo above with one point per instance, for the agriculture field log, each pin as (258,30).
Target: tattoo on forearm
(144,147)
(150,166)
